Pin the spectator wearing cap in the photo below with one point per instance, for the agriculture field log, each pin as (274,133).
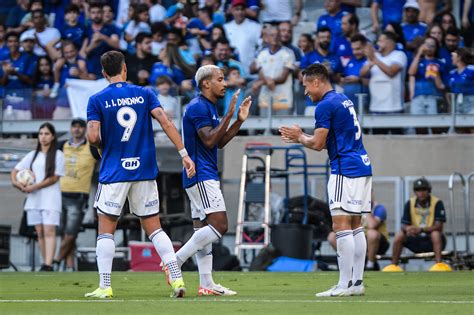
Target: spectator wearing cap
(16,74)
(413,29)
(100,38)
(281,11)
(79,163)
(42,33)
(387,69)
(342,44)
(422,224)
(392,11)
(243,34)
(332,19)
(27,45)
(275,64)
(140,63)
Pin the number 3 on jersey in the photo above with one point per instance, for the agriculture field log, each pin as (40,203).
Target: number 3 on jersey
(356,122)
(127,118)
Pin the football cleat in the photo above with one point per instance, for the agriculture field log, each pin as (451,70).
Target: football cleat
(178,289)
(101,293)
(357,290)
(335,291)
(216,289)
(166,271)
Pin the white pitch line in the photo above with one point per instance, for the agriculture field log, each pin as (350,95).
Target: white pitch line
(237,301)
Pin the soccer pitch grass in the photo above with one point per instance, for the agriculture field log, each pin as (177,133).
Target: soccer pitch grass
(258,293)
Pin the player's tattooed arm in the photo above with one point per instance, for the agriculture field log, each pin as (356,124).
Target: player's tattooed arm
(93,133)
(213,136)
(168,127)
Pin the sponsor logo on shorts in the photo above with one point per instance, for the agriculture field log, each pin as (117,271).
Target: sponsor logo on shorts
(365,159)
(151,203)
(131,164)
(112,204)
(355,202)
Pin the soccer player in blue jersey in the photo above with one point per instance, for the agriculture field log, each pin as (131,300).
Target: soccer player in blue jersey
(119,122)
(203,134)
(349,188)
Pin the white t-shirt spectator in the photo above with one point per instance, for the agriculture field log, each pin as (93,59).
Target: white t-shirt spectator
(157,13)
(272,65)
(276,10)
(386,94)
(134,28)
(48,198)
(245,38)
(49,34)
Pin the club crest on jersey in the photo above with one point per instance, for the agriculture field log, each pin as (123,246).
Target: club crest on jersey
(365,159)
(131,164)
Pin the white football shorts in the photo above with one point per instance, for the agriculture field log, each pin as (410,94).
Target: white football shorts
(142,198)
(349,196)
(206,197)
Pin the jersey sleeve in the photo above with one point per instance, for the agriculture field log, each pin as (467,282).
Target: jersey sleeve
(153,101)
(440,212)
(25,162)
(380,212)
(322,115)
(93,112)
(200,118)
(59,167)
(406,219)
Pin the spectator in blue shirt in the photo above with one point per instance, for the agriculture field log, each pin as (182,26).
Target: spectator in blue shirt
(461,80)
(351,80)
(43,82)
(413,29)
(426,73)
(322,54)
(13,22)
(3,43)
(16,78)
(342,45)
(332,19)
(100,38)
(450,44)
(392,11)
(71,29)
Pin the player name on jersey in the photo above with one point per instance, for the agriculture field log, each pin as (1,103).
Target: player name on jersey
(124,101)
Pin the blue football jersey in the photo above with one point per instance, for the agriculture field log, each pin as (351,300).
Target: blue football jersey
(347,154)
(199,113)
(128,147)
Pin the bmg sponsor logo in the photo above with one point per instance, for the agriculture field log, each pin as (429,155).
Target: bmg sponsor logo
(131,164)
(152,203)
(112,204)
(355,202)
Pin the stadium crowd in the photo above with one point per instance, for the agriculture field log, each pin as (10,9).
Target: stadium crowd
(414,53)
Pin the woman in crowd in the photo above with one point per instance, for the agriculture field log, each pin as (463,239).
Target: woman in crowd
(43,202)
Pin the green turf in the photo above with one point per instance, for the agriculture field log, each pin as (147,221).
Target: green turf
(259,293)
